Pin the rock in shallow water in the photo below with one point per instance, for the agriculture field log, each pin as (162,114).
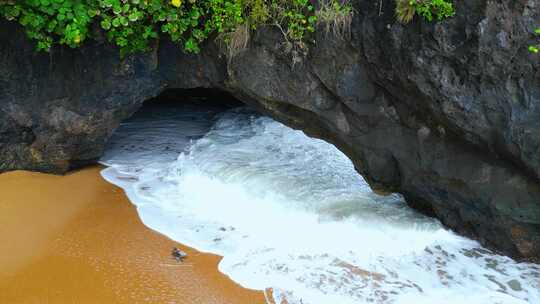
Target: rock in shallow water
(443,113)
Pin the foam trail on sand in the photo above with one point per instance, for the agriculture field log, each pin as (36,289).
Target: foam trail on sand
(290,212)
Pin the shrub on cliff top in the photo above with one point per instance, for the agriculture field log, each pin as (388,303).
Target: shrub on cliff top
(336,18)
(133,24)
(428,9)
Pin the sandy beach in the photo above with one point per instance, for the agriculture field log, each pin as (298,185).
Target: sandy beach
(77,239)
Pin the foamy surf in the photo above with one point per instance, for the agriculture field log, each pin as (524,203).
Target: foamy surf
(289,212)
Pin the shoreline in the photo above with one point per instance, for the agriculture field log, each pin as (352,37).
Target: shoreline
(77,238)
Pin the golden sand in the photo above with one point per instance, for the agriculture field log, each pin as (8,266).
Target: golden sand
(77,239)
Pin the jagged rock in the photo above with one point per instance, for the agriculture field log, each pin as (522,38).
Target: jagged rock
(178,254)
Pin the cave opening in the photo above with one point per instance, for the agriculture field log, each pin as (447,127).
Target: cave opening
(163,126)
(200,96)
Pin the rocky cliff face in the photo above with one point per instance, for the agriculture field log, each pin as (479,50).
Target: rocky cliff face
(447,114)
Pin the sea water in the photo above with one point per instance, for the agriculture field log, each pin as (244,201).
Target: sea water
(289,212)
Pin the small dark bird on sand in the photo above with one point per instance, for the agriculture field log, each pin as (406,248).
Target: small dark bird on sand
(178,254)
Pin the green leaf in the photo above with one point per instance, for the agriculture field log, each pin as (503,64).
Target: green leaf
(105,24)
(116,22)
(133,17)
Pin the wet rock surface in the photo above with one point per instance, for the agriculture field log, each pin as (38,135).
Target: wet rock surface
(445,113)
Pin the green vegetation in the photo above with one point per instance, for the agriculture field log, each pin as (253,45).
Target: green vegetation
(133,24)
(535,48)
(336,18)
(428,9)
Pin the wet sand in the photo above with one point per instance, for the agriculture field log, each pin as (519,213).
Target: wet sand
(77,239)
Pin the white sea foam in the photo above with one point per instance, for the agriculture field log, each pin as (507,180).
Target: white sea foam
(290,213)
